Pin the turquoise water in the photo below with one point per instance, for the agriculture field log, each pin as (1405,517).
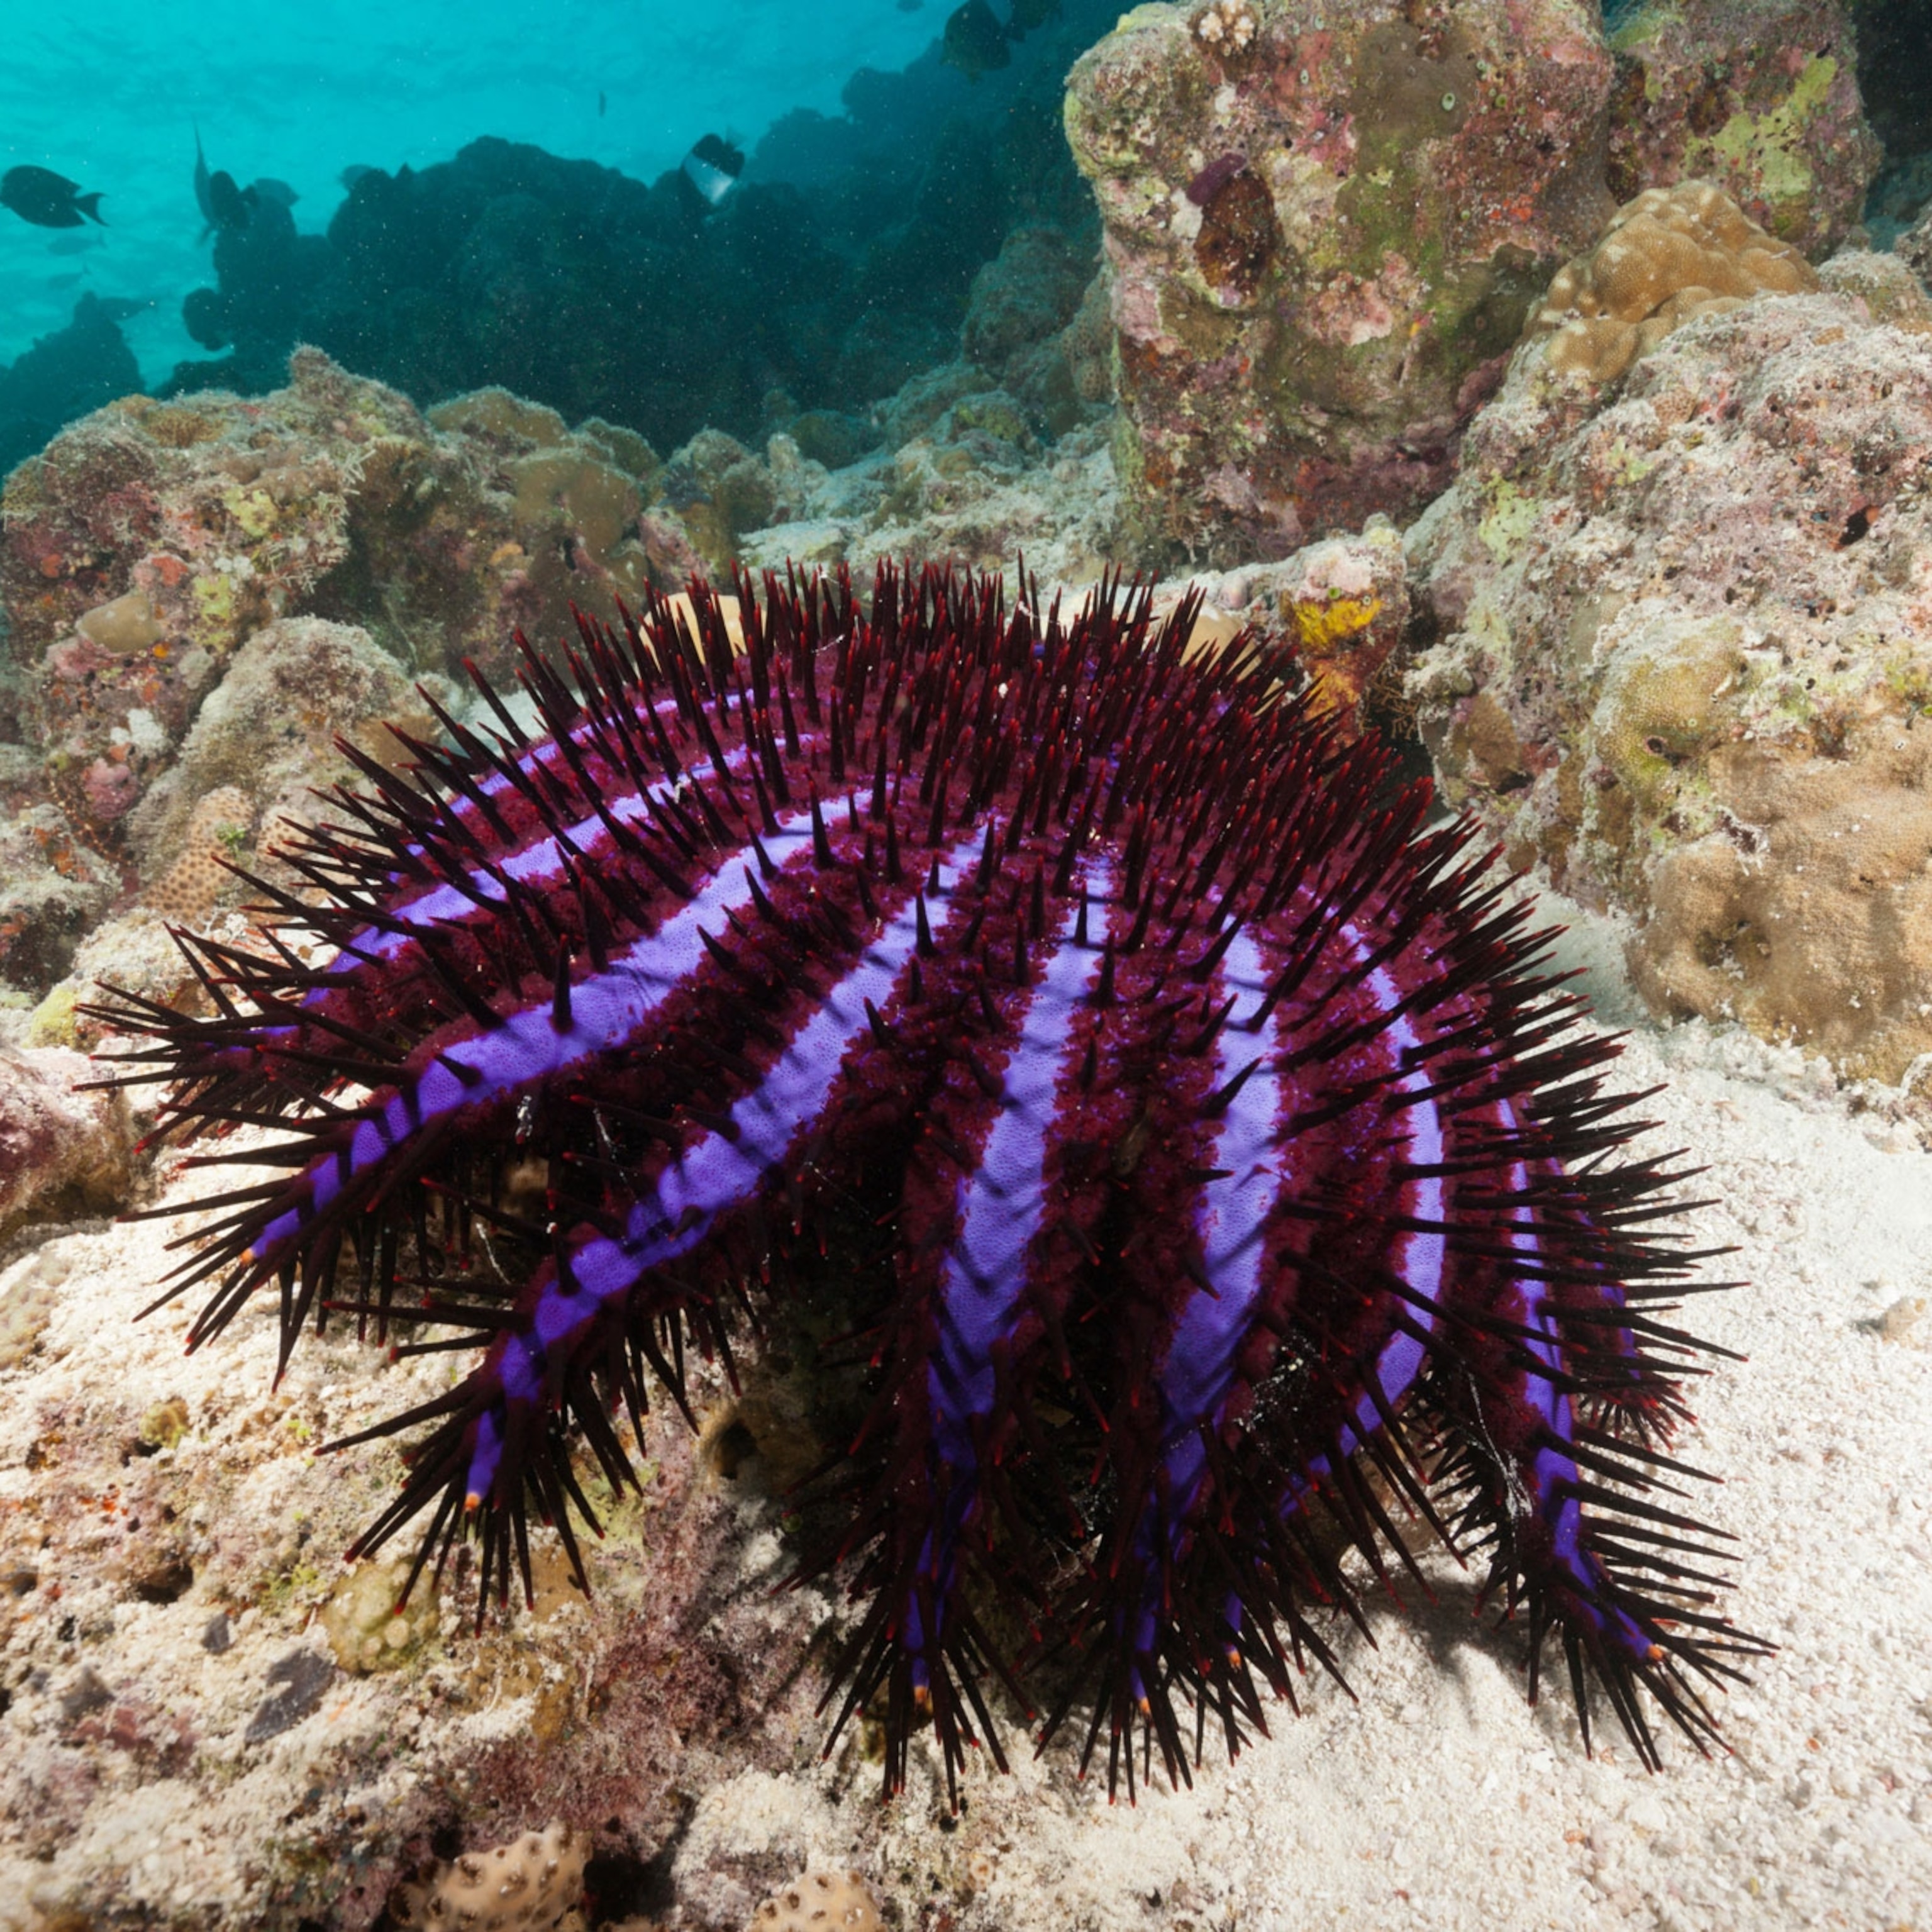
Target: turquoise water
(109,95)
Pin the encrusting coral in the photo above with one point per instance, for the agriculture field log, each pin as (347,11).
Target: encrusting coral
(1667,256)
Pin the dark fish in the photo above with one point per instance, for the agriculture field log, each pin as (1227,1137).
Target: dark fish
(1023,16)
(600,104)
(267,187)
(65,281)
(47,199)
(910,6)
(203,198)
(712,167)
(120,308)
(223,205)
(975,42)
(74,245)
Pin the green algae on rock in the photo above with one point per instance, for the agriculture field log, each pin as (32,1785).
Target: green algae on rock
(1759,97)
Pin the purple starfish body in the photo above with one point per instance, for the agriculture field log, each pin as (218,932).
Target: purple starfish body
(1245,1187)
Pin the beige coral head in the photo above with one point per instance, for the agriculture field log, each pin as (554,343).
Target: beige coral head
(820,1902)
(1666,257)
(533,1884)
(1228,26)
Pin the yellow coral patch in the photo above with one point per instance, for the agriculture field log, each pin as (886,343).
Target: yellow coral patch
(1322,627)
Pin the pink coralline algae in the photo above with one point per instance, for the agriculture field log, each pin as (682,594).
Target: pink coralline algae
(1191,1140)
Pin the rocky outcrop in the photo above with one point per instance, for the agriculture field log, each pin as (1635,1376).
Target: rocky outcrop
(1759,98)
(1684,657)
(1325,228)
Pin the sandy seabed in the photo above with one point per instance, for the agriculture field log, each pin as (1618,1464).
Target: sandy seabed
(1440,1799)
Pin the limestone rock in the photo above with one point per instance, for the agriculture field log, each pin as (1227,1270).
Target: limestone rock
(1324,237)
(1685,663)
(61,1152)
(1759,97)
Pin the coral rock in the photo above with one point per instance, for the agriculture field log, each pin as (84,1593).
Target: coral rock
(1760,97)
(1667,257)
(1686,662)
(1324,236)
(145,545)
(1030,291)
(266,736)
(53,887)
(60,1151)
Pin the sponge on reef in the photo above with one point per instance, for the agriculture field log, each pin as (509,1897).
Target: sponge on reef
(1668,256)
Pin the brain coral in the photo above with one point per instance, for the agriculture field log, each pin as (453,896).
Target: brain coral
(1668,256)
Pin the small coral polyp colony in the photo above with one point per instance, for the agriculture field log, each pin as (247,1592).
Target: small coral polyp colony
(1209,1172)
(1667,256)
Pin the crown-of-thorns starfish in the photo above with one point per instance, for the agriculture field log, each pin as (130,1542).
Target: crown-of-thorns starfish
(1219,1174)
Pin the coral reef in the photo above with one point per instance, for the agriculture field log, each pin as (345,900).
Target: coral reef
(841,264)
(148,545)
(65,375)
(1323,243)
(1668,256)
(1683,664)
(1760,97)
(963,477)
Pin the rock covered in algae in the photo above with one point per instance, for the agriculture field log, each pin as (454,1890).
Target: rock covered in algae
(1685,659)
(1759,97)
(61,1152)
(1324,232)
(149,542)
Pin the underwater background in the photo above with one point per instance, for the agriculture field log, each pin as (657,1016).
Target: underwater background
(877,176)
